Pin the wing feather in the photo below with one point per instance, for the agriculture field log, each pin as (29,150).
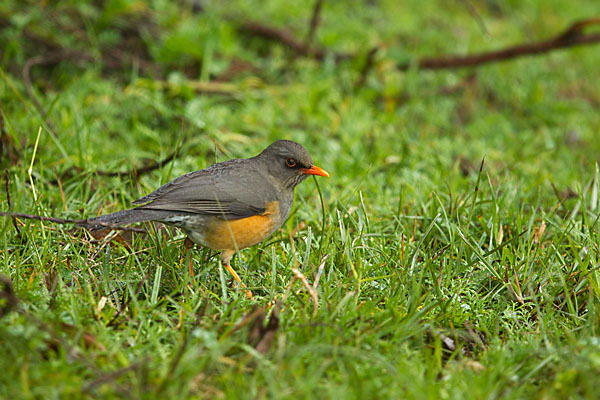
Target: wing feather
(232,190)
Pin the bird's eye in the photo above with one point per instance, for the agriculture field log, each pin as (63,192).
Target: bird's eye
(290,162)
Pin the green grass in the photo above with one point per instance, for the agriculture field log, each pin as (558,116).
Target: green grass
(441,280)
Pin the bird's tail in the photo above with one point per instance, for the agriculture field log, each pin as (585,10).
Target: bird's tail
(124,217)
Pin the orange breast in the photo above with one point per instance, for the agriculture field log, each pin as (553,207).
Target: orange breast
(241,233)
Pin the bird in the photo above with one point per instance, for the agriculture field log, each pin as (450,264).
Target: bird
(228,206)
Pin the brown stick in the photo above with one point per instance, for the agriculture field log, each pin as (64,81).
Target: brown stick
(143,170)
(287,38)
(367,66)
(63,221)
(13,219)
(135,172)
(314,23)
(573,36)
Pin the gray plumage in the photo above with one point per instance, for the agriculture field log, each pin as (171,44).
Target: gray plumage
(233,189)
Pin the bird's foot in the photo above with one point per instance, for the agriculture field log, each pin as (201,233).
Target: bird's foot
(237,278)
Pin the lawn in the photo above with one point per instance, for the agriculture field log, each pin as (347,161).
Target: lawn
(453,253)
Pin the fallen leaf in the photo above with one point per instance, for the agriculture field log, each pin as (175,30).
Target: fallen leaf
(263,336)
(475,365)
(500,236)
(539,232)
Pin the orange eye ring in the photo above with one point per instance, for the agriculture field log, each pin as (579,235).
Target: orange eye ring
(291,163)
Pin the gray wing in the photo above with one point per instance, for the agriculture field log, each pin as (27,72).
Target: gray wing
(228,189)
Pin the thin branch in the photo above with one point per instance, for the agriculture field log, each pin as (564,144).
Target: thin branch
(314,23)
(311,290)
(367,66)
(573,36)
(288,39)
(62,221)
(137,172)
(22,239)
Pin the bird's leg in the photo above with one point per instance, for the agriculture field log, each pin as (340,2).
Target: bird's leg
(188,245)
(226,260)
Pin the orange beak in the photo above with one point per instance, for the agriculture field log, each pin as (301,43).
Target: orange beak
(314,170)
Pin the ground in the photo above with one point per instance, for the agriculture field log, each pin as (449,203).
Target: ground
(453,252)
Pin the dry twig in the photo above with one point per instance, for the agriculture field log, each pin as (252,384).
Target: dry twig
(288,39)
(312,291)
(13,218)
(314,23)
(138,171)
(82,222)
(573,36)
(135,172)
(367,67)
